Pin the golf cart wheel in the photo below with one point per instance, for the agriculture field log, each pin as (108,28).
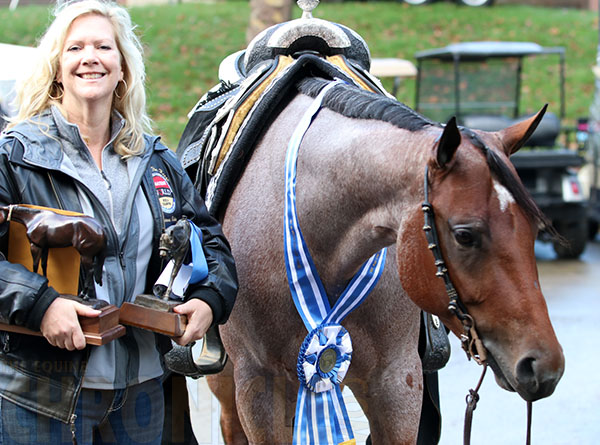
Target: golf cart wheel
(418,2)
(476,2)
(592,229)
(576,235)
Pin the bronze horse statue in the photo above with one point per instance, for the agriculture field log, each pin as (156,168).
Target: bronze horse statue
(174,245)
(47,229)
(361,188)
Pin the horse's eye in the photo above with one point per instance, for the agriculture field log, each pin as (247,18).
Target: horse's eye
(465,237)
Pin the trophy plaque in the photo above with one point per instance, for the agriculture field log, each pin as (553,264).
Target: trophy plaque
(97,330)
(64,243)
(155,312)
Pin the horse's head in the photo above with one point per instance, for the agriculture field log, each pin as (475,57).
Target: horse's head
(174,241)
(486,224)
(3,213)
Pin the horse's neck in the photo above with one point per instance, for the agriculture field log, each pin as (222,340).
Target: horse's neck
(30,218)
(18,213)
(354,189)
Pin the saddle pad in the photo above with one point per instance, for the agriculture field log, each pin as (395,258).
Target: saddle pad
(217,160)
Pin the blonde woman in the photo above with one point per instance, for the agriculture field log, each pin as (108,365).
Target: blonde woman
(81,142)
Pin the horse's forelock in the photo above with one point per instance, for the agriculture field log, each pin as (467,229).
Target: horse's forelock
(508,179)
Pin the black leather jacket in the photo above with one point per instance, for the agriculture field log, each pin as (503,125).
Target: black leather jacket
(33,373)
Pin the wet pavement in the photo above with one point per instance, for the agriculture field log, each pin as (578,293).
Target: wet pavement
(570,416)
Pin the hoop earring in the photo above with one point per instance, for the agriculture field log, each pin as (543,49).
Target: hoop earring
(117,94)
(60,96)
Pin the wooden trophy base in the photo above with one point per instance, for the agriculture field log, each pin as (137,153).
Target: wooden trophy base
(103,328)
(153,314)
(97,330)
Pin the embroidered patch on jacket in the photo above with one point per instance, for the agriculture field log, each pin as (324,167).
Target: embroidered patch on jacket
(164,192)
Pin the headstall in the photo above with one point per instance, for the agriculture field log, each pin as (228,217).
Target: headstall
(470,340)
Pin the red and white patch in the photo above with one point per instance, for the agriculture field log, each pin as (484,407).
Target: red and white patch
(164,192)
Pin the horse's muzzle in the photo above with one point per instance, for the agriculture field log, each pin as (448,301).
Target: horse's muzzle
(537,377)
(535,374)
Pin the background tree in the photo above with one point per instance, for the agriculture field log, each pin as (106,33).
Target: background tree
(266,13)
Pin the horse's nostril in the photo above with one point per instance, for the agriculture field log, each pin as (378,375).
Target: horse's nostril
(526,373)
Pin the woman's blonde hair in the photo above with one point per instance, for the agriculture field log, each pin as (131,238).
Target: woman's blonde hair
(38,91)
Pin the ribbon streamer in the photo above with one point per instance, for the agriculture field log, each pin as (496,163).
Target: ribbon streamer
(200,267)
(325,354)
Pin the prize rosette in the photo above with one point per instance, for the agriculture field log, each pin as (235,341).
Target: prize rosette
(324,357)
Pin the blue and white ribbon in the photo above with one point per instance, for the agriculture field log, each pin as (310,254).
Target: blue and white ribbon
(200,267)
(325,354)
(189,273)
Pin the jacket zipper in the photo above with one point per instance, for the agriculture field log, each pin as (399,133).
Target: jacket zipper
(108,186)
(58,199)
(72,425)
(6,342)
(78,390)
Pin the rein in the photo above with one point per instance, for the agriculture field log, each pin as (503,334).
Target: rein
(470,340)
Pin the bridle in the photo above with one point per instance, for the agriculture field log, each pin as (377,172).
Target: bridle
(470,340)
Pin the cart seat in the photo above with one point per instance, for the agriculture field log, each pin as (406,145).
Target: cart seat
(545,134)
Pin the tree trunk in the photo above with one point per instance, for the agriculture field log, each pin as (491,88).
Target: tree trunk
(266,13)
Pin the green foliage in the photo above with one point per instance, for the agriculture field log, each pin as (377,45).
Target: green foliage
(185,43)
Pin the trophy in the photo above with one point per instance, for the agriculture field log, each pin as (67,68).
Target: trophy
(155,312)
(65,243)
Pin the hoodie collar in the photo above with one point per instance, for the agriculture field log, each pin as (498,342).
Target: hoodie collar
(72,134)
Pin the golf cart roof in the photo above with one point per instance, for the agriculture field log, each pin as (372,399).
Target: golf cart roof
(484,50)
(479,78)
(17,61)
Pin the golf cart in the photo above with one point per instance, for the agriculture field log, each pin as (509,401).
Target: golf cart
(590,174)
(460,2)
(480,83)
(18,58)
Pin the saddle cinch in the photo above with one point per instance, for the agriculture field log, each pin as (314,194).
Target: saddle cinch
(225,125)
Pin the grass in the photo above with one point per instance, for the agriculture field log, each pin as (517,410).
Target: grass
(185,43)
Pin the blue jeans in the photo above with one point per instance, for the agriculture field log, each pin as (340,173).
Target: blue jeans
(130,416)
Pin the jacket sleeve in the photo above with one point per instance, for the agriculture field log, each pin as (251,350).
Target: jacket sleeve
(219,288)
(24,295)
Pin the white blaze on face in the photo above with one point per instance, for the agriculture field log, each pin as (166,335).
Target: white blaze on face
(504,196)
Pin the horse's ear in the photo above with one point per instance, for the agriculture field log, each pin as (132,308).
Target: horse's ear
(449,142)
(515,136)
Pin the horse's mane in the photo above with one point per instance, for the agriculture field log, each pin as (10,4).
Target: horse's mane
(354,102)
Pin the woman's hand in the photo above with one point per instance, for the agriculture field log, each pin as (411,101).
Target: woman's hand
(60,324)
(199,318)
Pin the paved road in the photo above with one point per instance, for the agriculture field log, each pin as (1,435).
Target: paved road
(570,416)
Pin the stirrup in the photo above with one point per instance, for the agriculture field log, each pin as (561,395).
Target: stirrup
(204,357)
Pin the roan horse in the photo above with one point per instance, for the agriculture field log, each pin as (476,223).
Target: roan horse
(361,188)
(47,229)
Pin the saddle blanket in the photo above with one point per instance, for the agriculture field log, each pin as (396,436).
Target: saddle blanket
(226,124)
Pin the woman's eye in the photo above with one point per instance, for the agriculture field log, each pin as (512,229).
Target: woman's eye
(73,48)
(465,237)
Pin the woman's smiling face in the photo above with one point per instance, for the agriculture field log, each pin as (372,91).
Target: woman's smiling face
(90,63)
